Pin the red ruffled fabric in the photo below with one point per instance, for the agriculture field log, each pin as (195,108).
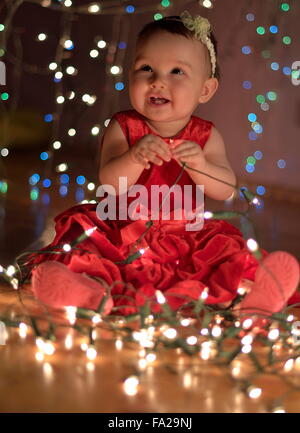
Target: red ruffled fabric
(178,262)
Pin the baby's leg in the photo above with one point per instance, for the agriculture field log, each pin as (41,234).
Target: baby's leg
(55,284)
(276,280)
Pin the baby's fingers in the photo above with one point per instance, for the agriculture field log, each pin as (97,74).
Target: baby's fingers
(160,148)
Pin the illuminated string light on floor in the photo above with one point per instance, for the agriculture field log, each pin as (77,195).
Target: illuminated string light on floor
(254,392)
(130,385)
(91,353)
(23,329)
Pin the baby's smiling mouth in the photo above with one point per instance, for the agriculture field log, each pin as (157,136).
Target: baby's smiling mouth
(158,101)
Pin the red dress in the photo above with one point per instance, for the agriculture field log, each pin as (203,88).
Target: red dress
(176,261)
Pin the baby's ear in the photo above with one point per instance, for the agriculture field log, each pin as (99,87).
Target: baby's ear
(209,89)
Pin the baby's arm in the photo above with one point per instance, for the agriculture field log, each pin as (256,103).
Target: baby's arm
(120,160)
(217,165)
(116,160)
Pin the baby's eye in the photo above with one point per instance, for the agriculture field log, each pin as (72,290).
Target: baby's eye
(145,67)
(180,71)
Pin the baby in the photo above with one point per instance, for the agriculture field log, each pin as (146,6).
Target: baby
(174,70)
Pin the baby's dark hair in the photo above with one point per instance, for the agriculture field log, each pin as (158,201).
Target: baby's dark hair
(173,24)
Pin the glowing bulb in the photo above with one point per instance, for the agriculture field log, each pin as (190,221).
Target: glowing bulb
(39,356)
(70,70)
(142,364)
(160,297)
(94,8)
(131,385)
(115,70)
(40,343)
(85,97)
(72,132)
(69,342)
(94,53)
(61,167)
(204,331)
(278,409)
(185,322)
(273,334)
(23,330)
(68,44)
(68,3)
(95,130)
(192,340)
(216,331)
(248,339)
(89,232)
(247,348)
(71,95)
(42,37)
(67,248)
(290,318)
(241,291)
(15,283)
(119,344)
(151,357)
(60,99)
(207,3)
(252,245)
(247,323)
(254,392)
(92,99)
(170,333)
(56,145)
(208,215)
(52,66)
(288,366)
(49,348)
(58,75)
(96,319)
(205,350)
(101,44)
(10,271)
(91,353)
(204,294)
(84,347)
(71,314)
(142,353)
(91,186)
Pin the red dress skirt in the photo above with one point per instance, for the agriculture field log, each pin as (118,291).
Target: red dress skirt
(178,262)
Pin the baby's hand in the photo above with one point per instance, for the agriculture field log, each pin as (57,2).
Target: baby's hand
(189,152)
(150,148)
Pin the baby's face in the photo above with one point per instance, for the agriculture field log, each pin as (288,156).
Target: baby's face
(168,66)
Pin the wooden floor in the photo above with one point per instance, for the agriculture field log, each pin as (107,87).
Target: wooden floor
(66,381)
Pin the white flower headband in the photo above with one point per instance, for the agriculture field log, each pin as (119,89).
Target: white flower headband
(201,28)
